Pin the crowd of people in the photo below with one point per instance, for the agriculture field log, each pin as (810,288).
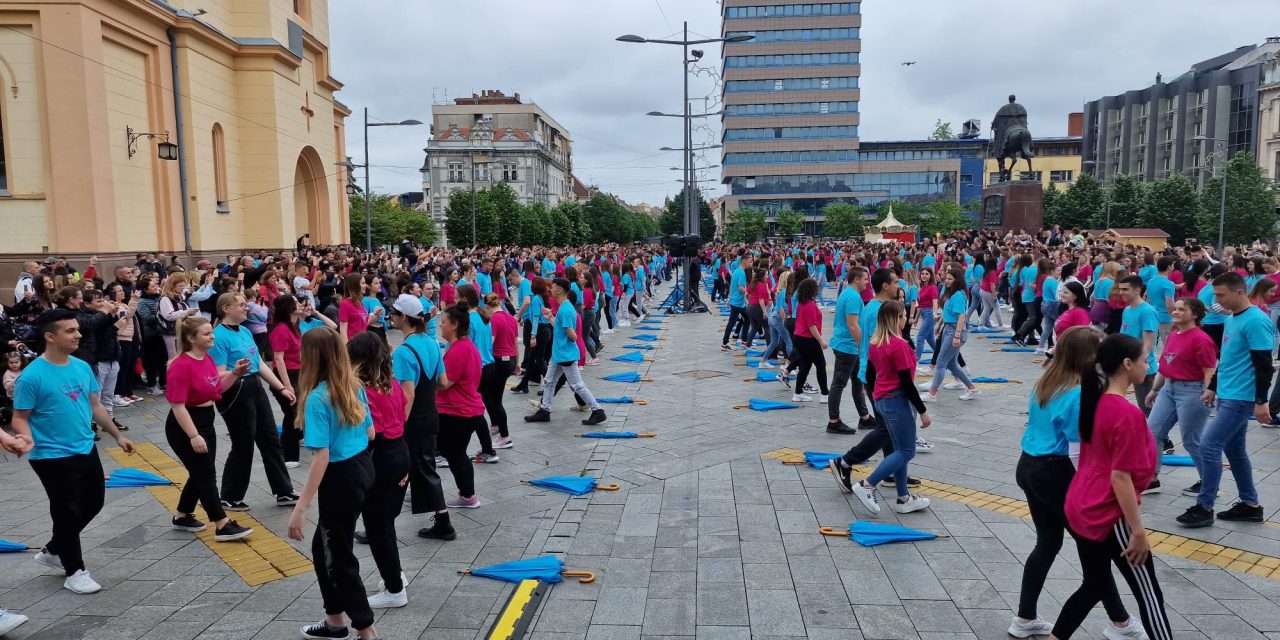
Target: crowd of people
(305,333)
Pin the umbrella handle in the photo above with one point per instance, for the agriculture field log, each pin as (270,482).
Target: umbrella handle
(640,402)
(748,379)
(608,487)
(464,572)
(646,379)
(740,406)
(583,577)
(792,461)
(833,532)
(646,435)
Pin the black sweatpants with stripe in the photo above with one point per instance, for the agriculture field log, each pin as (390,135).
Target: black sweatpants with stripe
(1096,559)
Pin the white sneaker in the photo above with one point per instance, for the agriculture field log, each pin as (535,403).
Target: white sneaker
(929,397)
(954,385)
(81,582)
(913,503)
(800,397)
(923,446)
(116,401)
(156,391)
(971,394)
(387,600)
(1133,631)
(442,462)
(924,386)
(1037,627)
(292,464)
(867,496)
(822,398)
(1040,351)
(10,621)
(924,370)
(49,560)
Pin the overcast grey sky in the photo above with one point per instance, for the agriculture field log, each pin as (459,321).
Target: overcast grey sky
(397,56)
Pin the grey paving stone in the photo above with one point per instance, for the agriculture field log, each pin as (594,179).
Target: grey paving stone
(613,632)
(620,606)
(563,615)
(825,608)
(671,584)
(723,633)
(669,618)
(880,622)
(674,558)
(774,613)
(767,576)
(935,615)
(722,605)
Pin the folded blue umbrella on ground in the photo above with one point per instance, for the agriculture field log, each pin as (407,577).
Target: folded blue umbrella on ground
(1018,349)
(544,568)
(630,356)
(610,435)
(766,376)
(819,460)
(126,477)
(754,353)
(628,376)
(989,380)
(870,534)
(641,347)
(618,400)
(572,485)
(645,337)
(12,547)
(1178,461)
(989,330)
(760,404)
(756,363)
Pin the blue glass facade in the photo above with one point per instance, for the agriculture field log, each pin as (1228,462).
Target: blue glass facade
(790,84)
(789,109)
(791,157)
(793,10)
(791,60)
(791,133)
(797,35)
(902,185)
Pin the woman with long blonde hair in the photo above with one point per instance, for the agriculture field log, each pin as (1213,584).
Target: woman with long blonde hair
(333,410)
(174,307)
(194,384)
(779,337)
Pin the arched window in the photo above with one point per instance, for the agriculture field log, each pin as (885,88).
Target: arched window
(302,9)
(220,169)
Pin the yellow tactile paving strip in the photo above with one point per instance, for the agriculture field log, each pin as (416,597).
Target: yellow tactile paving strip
(258,559)
(1161,542)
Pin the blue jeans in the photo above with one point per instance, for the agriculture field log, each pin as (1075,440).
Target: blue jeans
(1226,434)
(1048,316)
(975,301)
(924,334)
(901,422)
(778,337)
(1179,402)
(947,354)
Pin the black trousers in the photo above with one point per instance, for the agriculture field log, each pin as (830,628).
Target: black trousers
(491,390)
(420,432)
(1029,326)
(875,440)
(382,507)
(737,316)
(535,357)
(263,342)
(482,431)
(128,377)
(811,355)
(154,356)
(202,472)
(455,435)
(290,436)
(1045,480)
(246,410)
(75,488)
(343,492)
(1096,559)
(757,326)
(845,374)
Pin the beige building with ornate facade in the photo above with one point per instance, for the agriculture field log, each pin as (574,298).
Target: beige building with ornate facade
(1269,119)
(242,87)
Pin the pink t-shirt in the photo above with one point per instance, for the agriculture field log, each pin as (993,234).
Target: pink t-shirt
(758,293)
(1074,317)
(284,341)
(192,382)
(989,281)
(448,294)
(1178,279)
(1084,272)
(1121,441)
(462,367)
(925,299)
(354,314)
(388,411)
(808,315)
(888,359)
(504,329)
(1187,354)
(867,294)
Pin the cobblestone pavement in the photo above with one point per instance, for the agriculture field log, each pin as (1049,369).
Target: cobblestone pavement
(707,538)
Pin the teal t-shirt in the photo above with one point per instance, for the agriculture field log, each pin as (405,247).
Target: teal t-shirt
(563,348)
(1210,316)
(1249,330)
(1137,320)
(427,307)
(1158,289)
(405,366)
(524,292)
(1102,289)
(1049,290)
(232,344)
(324,429)
(867,323)
(1050,428)
(58,398)
(370,305)
(1027,279)
(307,324)
(955,307)
(848,304)
(736,297)
(482,336)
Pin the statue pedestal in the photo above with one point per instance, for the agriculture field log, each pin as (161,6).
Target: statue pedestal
(1010,206)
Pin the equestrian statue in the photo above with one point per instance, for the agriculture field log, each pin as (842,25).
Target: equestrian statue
(1011,139)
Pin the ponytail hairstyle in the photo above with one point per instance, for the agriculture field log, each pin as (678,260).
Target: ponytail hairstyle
(460,314)
(887,321)
(225,300)
(324,359)
(186,332)
(1073,355)
(371,358)
(492,301)
(1112,352)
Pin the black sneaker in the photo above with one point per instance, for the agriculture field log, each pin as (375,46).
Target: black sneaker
(1192,491)
(1241,512)
(119,427)
(1168,447)
(323,630)
(362,536)
(438,531)
(287,500)
(1018,341)
(893,482)
(867,422)
(538,416)
(1154,487)
(784,380)
(519,389)
(596,417)
(236,505)
(841,428)
(188,522)
(1196,516)
(231,531)
(841,475)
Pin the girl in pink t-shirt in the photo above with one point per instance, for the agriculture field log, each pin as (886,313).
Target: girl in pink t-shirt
(808,340)
(459,403)
(1187,364)
(352,316)
(1117,463)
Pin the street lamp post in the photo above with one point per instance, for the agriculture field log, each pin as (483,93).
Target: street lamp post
(690,211)
(1220,144)
(368,204)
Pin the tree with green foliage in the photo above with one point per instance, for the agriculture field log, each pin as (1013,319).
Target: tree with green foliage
(1082,201)
(842,220)
(745,225)
(534,224)
(390,224)
(1250,205)
(1172,205)
(1052,206)
(942,131)
(944,217)
(671,222)
(1127,201)
(907,213)
(789,223)
(576,231)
